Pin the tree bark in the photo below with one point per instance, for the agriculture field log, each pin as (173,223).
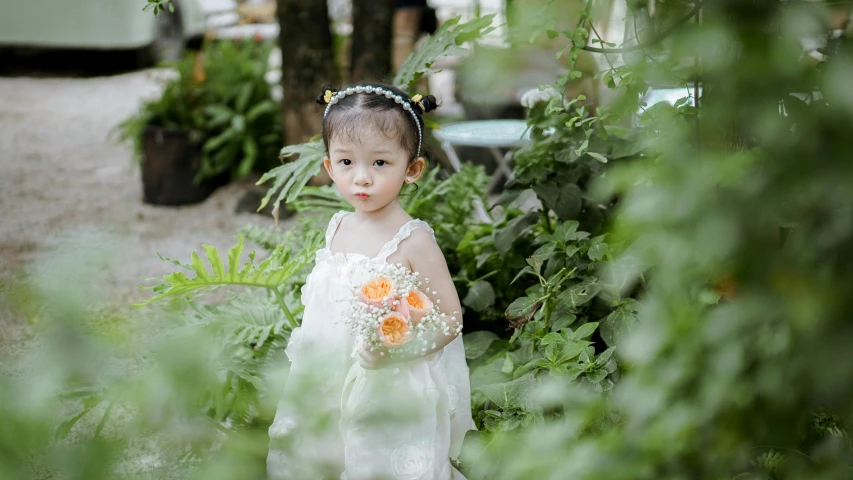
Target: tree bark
(308,62)
(371,39)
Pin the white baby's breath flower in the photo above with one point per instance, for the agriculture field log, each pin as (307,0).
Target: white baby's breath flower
(531,97)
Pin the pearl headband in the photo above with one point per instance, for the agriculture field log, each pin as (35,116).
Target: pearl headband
(338,96)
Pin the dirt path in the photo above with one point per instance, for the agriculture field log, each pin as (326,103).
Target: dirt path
(62,180)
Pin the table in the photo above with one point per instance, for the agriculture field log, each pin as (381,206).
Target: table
(490,134)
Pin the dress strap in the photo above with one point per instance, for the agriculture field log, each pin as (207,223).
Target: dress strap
(402,234)
(333,227)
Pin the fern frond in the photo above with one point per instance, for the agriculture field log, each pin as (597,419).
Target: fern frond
(290,178)
(325,200)
(267,237)
(270,273)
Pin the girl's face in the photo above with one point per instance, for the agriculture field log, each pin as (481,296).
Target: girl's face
(370,171)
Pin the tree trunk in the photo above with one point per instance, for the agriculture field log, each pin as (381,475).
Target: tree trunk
(371,39)
(308,62)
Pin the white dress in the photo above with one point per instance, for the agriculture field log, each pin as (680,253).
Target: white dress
(337,419)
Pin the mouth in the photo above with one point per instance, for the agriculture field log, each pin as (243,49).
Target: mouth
(362,196)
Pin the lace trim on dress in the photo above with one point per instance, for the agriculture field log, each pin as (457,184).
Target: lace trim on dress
(333,227)
(388,249)
(402,234)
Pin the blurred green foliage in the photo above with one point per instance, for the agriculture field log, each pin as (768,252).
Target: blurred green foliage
(664,292)
(221,98)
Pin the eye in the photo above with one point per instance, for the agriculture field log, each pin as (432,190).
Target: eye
(380,163)
(346,162)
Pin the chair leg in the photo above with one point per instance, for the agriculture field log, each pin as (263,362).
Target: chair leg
(502,168)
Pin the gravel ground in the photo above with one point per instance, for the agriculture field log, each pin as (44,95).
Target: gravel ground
(64,183)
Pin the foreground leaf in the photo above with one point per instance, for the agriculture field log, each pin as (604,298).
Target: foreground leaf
(290,178)
(445,41)
(270,273)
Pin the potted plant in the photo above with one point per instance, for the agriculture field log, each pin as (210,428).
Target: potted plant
(213,122)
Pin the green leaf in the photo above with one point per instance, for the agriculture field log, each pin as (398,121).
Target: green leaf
(597,251)
(565,200)
(527,270)
(513,393)
(476,343)
(522,309)
(506,236)
(585,330)
(488,374)
(571,349)
(218,141)
(604,357)
(270,273)
(544,253)
(562,322)
(243,97)
(552,338)
(445,41)
(480,296)
(580,294)
(238,123)
(552,34)
(218,115)
(290,178)
(616,325)
(601,158)
(261,109)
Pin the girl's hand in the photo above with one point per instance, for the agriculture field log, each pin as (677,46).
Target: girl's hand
(372,360)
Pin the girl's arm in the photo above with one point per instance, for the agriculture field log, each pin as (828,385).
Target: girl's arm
(425,258)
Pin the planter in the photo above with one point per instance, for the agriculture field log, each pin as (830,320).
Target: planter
(171,159)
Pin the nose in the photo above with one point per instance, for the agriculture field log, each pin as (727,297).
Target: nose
(362,178)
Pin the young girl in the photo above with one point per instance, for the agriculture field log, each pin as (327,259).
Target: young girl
(368,415)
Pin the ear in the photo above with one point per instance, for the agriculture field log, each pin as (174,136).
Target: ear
(416,169)
(328,165)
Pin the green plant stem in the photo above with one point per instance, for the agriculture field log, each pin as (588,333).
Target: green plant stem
(549,308)
(547,218)
(655,40)
(587,9)
(483,277)
(287,313)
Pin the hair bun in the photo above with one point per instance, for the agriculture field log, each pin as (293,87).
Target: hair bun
(322,98)
(430,103)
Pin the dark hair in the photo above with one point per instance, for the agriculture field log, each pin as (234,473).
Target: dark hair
(349,114)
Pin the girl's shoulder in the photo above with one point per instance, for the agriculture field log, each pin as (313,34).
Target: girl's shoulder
(419,238)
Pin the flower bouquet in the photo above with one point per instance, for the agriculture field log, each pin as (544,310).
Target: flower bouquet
(391,310)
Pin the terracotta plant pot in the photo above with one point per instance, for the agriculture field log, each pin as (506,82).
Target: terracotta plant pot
(170,162)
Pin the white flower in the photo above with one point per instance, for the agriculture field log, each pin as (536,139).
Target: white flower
(531,97)
(412,462)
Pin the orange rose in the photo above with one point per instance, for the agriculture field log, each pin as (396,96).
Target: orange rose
(419,305)
(378,292)
(393,331)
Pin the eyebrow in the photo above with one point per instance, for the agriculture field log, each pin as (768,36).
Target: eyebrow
(347,150)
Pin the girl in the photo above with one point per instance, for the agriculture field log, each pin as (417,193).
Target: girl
(367,415)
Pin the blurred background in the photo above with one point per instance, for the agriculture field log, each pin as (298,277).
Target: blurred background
(645,205)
